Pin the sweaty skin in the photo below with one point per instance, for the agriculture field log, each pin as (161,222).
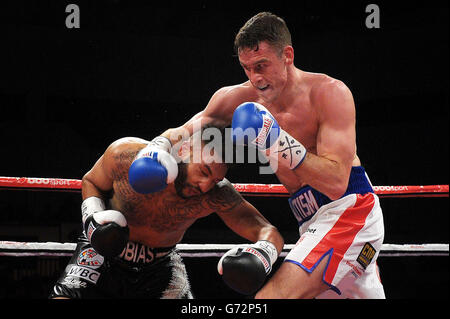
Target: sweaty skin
(315,109)
(161,219)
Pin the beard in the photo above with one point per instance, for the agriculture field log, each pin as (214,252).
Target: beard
(181,184)
(180,181)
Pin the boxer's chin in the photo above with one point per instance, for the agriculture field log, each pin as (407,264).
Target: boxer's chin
(187,192)
(268,95)
(182,193)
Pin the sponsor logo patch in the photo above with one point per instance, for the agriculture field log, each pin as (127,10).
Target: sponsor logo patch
(260,140)
(90,258)
(83,273)
(366,255)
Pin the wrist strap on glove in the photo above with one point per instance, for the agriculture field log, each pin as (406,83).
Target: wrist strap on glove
(161,142)
(91,205)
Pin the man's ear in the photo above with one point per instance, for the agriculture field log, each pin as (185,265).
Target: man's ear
(288,52)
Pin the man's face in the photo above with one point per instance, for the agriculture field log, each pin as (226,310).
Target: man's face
(197,178)
(266,70)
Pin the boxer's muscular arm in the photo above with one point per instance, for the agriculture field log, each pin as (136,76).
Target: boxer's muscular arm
(99,179)
(96,182)
(245,220)
(218,112)
(329,170)
(107,230)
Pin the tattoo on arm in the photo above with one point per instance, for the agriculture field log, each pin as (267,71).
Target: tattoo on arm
(224,197)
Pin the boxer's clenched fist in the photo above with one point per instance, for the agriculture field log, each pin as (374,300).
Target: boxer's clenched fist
(245,268)
(106,230)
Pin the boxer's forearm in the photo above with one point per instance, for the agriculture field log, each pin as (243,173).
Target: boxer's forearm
(174,135)
(198,121)
(328,176)
(88,189)
(182,132)
(246,221)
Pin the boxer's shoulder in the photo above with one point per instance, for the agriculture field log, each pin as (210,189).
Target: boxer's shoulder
(126,144)
(129,141)
(124,150)
(325,89)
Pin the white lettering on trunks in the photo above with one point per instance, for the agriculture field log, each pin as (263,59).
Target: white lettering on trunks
(304,206)
(84,273)
(137,253)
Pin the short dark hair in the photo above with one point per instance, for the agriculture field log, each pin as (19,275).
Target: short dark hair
(264,26)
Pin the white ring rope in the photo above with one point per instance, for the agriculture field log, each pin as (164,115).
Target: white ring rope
(50,249)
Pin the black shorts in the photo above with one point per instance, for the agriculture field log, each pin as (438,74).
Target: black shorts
(139,272)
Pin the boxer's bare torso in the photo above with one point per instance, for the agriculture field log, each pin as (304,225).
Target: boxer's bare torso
(301,118)
(161,219)
(299,113)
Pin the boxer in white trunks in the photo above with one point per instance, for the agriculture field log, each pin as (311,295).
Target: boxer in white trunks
(305,124)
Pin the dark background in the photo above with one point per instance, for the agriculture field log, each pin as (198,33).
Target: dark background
(137,68)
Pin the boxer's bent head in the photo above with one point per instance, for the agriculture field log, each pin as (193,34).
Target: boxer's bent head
(202,163)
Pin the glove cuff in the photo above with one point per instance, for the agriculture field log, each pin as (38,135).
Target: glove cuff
(161,142)
(287,151)
(269,249)
(91,205)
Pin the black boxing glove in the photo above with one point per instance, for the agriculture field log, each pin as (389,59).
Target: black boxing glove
(245,268)
(106,230)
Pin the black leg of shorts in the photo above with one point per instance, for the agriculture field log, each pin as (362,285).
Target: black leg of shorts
(88,275)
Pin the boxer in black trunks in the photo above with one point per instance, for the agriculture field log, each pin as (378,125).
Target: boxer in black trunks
(146,264)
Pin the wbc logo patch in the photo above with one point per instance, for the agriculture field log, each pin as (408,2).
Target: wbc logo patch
(89,257)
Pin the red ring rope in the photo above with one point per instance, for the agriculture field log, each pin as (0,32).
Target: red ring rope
(277,190)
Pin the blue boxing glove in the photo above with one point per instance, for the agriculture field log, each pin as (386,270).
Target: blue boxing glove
(253,124)
(154,168)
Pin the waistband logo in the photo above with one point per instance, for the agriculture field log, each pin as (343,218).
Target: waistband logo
(304,206)
(137,253)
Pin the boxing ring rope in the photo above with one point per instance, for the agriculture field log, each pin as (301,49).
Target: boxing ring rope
(276,190)
(52,249)
(23,249)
